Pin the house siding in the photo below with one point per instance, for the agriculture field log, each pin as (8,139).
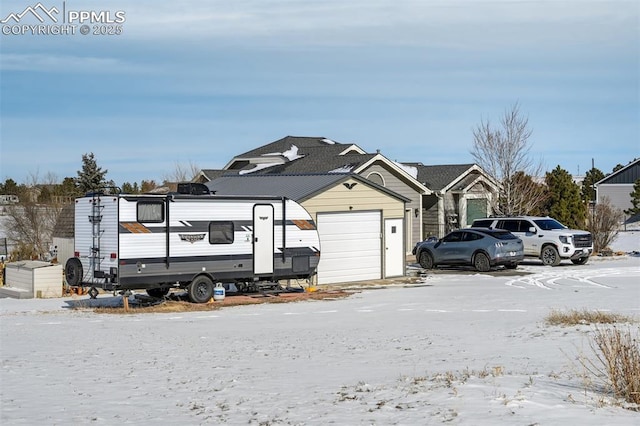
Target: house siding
(619,195)
(360,198)
(397,185)
(627,175)
(430,218)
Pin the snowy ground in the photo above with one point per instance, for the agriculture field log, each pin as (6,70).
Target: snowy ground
(458,348)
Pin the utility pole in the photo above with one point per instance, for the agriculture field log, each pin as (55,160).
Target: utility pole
(593,189)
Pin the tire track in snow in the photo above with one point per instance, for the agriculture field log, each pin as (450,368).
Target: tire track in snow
(571,277)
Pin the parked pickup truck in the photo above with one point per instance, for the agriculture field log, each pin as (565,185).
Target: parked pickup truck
(545,238)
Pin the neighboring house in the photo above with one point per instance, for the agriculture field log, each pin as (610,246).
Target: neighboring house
(63,234)
(460,194)
(360,223)
(618,186)
(8,199)
(313,155)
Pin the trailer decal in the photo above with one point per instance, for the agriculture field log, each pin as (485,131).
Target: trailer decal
(191,238)
(135,227)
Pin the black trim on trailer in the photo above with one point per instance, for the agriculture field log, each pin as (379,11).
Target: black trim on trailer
(167,233)
(284,228)
(299,251)
(202,226)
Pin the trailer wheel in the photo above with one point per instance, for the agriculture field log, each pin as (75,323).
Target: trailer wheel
(73,272)
(200,290)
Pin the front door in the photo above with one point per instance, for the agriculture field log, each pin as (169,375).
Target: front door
(263,248)
(393,248)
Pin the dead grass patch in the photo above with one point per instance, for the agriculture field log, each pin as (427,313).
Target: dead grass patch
(585,317)
(616,367)
(176,306)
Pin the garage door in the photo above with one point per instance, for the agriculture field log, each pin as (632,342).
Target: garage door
(350,247)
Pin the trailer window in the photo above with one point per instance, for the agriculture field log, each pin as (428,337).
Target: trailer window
(148,211)
(221,232)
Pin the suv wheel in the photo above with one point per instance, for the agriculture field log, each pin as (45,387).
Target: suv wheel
(550,256)
(426,260)
(481,262)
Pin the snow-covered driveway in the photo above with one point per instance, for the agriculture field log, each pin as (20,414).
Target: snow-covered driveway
(469,349)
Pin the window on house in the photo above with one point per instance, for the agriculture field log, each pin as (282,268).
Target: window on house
(376,178)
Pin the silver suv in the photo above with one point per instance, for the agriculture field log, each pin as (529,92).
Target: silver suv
(545,238)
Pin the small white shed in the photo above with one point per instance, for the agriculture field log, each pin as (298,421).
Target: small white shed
(32,278)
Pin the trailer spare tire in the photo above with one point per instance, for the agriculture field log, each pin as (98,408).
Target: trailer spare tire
(73,272)
(158,293)
(200,290)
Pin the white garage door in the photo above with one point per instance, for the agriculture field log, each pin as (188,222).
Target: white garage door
(350,247)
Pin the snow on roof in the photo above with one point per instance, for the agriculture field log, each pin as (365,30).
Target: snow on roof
(347,168)
(411,170)
(256,168)
(328,141)
(290,154)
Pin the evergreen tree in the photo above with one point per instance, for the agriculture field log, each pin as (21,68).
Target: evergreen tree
(91,177)
(128,188)
(10,187)
(635,199)
(588,192)
(618,167)
(68,188)
(564,202)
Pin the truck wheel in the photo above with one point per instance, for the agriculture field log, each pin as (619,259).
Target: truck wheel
(426,260)
(200,290)
(580,261)
(73,272)
(158,293)
(550,256)
(481,262)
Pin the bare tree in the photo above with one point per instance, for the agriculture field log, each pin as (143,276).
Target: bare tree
(29,224)
(503,151)
(528,196)
(604,224)
(182,172)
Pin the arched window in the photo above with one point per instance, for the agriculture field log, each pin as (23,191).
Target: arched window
(376,177)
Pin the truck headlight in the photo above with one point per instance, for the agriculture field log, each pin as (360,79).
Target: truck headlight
(566,239)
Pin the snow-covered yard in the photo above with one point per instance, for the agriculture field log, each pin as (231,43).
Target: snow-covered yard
(457,348)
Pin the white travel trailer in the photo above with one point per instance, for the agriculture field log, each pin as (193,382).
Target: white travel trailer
(158,242)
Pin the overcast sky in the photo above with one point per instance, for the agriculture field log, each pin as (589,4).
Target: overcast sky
(197,82)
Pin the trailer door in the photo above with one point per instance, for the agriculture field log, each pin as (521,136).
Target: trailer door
(263,248)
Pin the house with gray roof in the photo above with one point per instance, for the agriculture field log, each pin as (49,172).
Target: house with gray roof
(618,186)
(360,223)
(319,155)
(459,194)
